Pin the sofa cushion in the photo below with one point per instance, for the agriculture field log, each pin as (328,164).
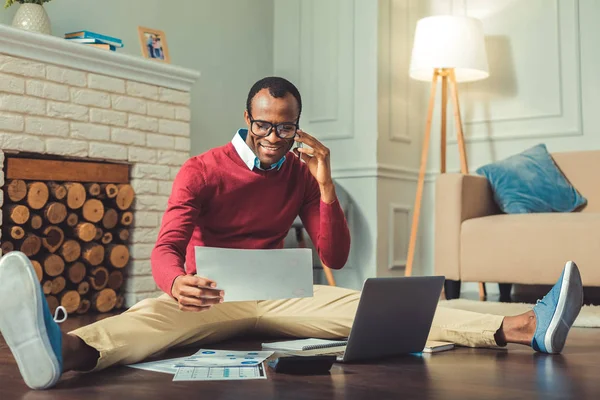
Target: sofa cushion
(530,182)
(530,248)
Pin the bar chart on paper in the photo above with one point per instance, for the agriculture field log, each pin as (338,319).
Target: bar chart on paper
(219,373)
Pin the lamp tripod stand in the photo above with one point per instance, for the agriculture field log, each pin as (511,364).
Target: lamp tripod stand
(448,77)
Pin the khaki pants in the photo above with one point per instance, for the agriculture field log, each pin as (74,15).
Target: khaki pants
(154,325)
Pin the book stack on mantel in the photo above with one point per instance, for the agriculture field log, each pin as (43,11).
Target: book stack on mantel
(94,39)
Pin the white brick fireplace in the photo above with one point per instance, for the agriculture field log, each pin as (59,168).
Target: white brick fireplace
(63,98)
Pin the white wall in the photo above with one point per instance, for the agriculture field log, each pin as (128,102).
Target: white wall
(398,150)
(329,50)
(229,41)
(350,61)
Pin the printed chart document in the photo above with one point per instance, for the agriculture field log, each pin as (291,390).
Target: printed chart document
(220,373)
(257,274)
(229,358)
(212,365)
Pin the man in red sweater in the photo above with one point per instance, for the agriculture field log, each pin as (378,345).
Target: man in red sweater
(245,194)
(205,207)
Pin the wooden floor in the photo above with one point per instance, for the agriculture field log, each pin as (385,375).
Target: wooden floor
(515,372)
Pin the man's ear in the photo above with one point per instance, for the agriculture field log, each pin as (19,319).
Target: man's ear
(246,117)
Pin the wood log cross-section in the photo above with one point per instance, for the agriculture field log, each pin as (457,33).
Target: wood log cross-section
(93,254)
(105,300)
(124,234)
(58,285)
(117,255)
(115,280)
(18,214)
(93,210)
(98,278)
(36,222)
(93,189)
(107,238)
(16,190)
(54,265)
(53,238)
(55,212)
(72,219)
(70,300)
(7,247)
(84,306)
(110,219)
(75,195)
(99,233)
(83,288)
(85,231)
(126,218)
(108,190)
(47,287)
(125,197)
(37,195)
(31,245)
(76,272)
(16,232)
(57,190)
(70,250)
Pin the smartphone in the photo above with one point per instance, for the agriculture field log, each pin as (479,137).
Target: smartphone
(295,145)
(303,365)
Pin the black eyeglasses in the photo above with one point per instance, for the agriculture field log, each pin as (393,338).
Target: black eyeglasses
(285,130)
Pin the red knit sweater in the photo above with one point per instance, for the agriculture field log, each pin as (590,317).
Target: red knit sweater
(217,201)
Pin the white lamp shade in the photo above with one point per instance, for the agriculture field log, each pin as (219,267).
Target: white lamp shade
(449,41)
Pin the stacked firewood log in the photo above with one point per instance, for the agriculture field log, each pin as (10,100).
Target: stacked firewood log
(76,236)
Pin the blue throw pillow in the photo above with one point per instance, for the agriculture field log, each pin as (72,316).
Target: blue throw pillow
(530,182)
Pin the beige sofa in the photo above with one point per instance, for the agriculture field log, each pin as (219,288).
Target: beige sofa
(474,242)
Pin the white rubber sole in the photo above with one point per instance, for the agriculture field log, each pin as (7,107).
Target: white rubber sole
(22,322)
(558,329)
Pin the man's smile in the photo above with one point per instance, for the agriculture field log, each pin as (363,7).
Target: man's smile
(269,149)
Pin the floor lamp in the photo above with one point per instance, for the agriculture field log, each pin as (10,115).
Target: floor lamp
(450,48)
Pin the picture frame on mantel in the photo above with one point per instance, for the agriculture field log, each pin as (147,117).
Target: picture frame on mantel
(154,44)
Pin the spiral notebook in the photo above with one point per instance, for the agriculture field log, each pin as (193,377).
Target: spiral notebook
(303,344)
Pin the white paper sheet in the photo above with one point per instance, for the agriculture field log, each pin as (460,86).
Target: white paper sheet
(220,373)
(164,366)
(257,274)
(229,358)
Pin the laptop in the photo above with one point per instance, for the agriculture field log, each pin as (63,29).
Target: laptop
(393,317)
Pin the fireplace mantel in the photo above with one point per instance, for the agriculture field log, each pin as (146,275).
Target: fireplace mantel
(56,50)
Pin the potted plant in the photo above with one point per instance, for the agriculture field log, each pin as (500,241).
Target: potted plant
(31,15)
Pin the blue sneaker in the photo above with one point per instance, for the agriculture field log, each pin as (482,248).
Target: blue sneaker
(557,311)
(31,333)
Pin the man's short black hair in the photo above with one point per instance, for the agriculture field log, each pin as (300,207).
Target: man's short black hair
(278,87)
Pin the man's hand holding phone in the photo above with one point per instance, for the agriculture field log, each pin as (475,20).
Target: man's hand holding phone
(195,293)
(317,157)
